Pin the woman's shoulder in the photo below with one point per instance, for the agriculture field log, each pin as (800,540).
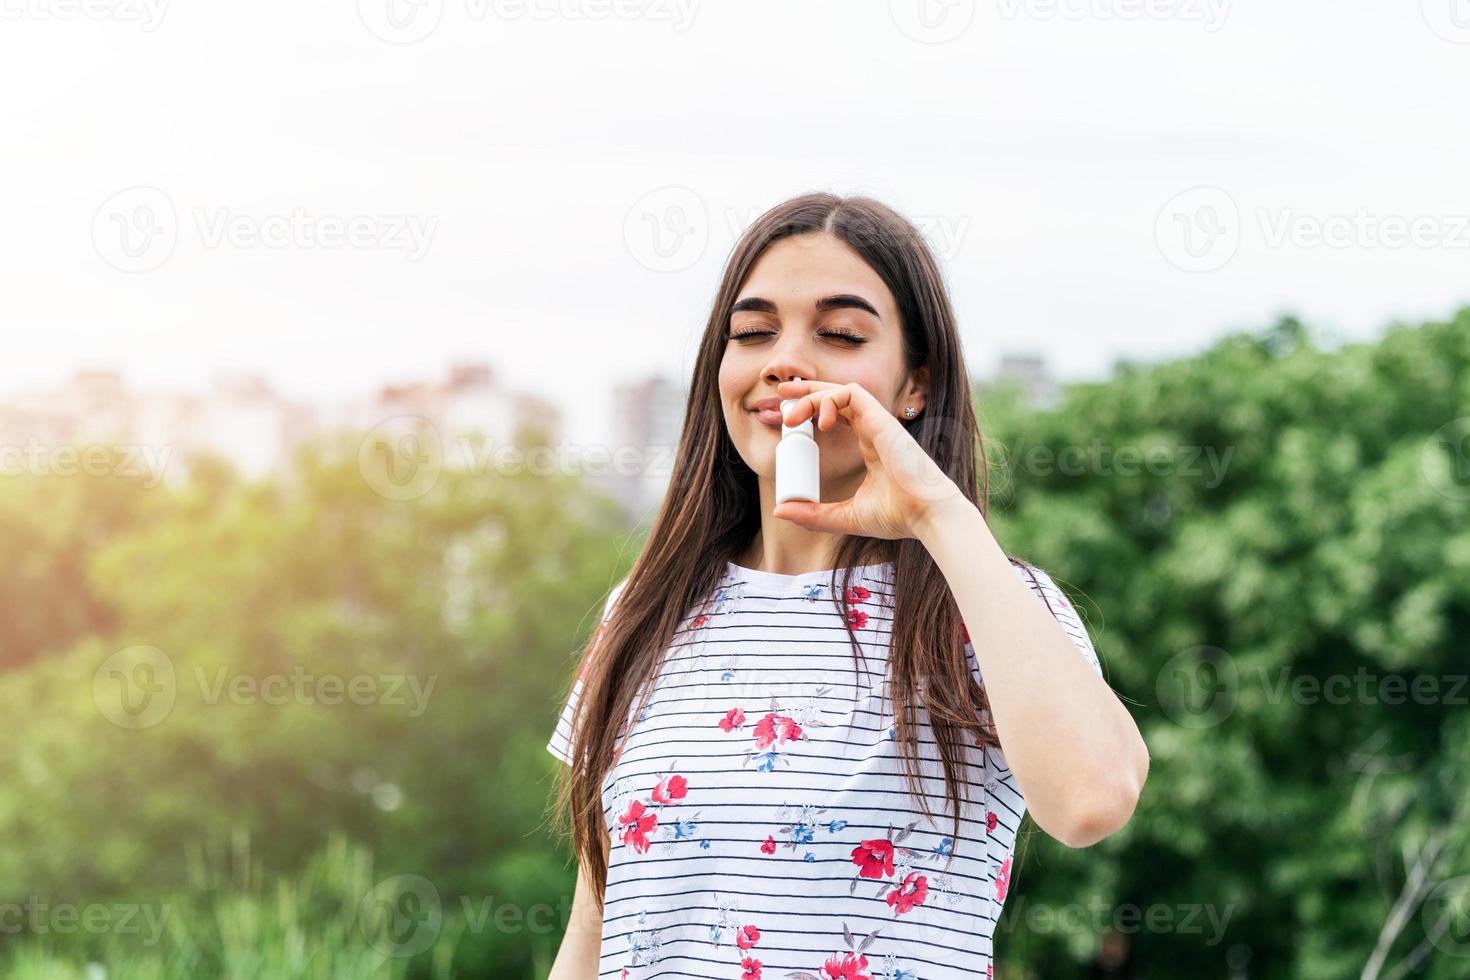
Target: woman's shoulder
(1036,577)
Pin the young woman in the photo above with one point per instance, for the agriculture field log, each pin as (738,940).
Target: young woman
(777,693)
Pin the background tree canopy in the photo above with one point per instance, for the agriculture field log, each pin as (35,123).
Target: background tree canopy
(1270,540)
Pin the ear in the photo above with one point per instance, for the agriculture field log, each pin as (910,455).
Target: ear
(918,388)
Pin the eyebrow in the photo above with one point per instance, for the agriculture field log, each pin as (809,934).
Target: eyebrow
(755,304)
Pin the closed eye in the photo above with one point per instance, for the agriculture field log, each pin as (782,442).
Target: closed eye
(848,336)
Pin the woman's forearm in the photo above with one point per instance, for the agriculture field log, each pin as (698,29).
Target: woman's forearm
(1076,752)
(581,945)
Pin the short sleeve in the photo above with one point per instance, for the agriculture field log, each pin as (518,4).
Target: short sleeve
(561,738)
(1044,589)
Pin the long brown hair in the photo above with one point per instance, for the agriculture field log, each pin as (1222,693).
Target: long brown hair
(712,511)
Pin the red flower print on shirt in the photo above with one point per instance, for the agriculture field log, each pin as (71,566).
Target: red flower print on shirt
(857,618)
(964,631)
(990,821)
(1003,880)
(747,937)
(769,847)
(670,790)
(913,891)
(874,857)
(858,594)
(883,859)
(751,968)
(639,823)
(848,966)
(845,966)
(699,621)
(773,727)
(733,719)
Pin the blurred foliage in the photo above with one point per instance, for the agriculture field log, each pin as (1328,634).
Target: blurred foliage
(459,613)
(1307,517)
(239,924)
(1287,514)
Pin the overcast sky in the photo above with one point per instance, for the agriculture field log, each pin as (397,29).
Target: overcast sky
(553,185)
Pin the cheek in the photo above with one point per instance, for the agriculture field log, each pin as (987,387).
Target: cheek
(726,376)
(733,384)
(877,383)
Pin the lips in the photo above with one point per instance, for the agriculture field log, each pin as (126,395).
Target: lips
(767,411)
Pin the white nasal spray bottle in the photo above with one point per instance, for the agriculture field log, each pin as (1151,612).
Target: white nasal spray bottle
(798,475)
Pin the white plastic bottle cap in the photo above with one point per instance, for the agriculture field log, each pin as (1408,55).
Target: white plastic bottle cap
(800,427)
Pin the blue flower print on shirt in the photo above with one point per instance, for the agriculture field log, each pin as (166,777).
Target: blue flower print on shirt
(890,970)
(802,828)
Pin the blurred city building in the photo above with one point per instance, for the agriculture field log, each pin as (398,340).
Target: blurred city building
(242,419)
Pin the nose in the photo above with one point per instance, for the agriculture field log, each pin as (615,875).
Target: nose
(788,363)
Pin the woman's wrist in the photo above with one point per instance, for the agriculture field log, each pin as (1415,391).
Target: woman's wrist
(943,517)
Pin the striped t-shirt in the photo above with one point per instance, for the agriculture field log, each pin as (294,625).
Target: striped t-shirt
(761,824)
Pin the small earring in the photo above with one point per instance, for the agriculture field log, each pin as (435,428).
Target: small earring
(909,411)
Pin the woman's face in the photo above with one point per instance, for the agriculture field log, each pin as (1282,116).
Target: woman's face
(811,308)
